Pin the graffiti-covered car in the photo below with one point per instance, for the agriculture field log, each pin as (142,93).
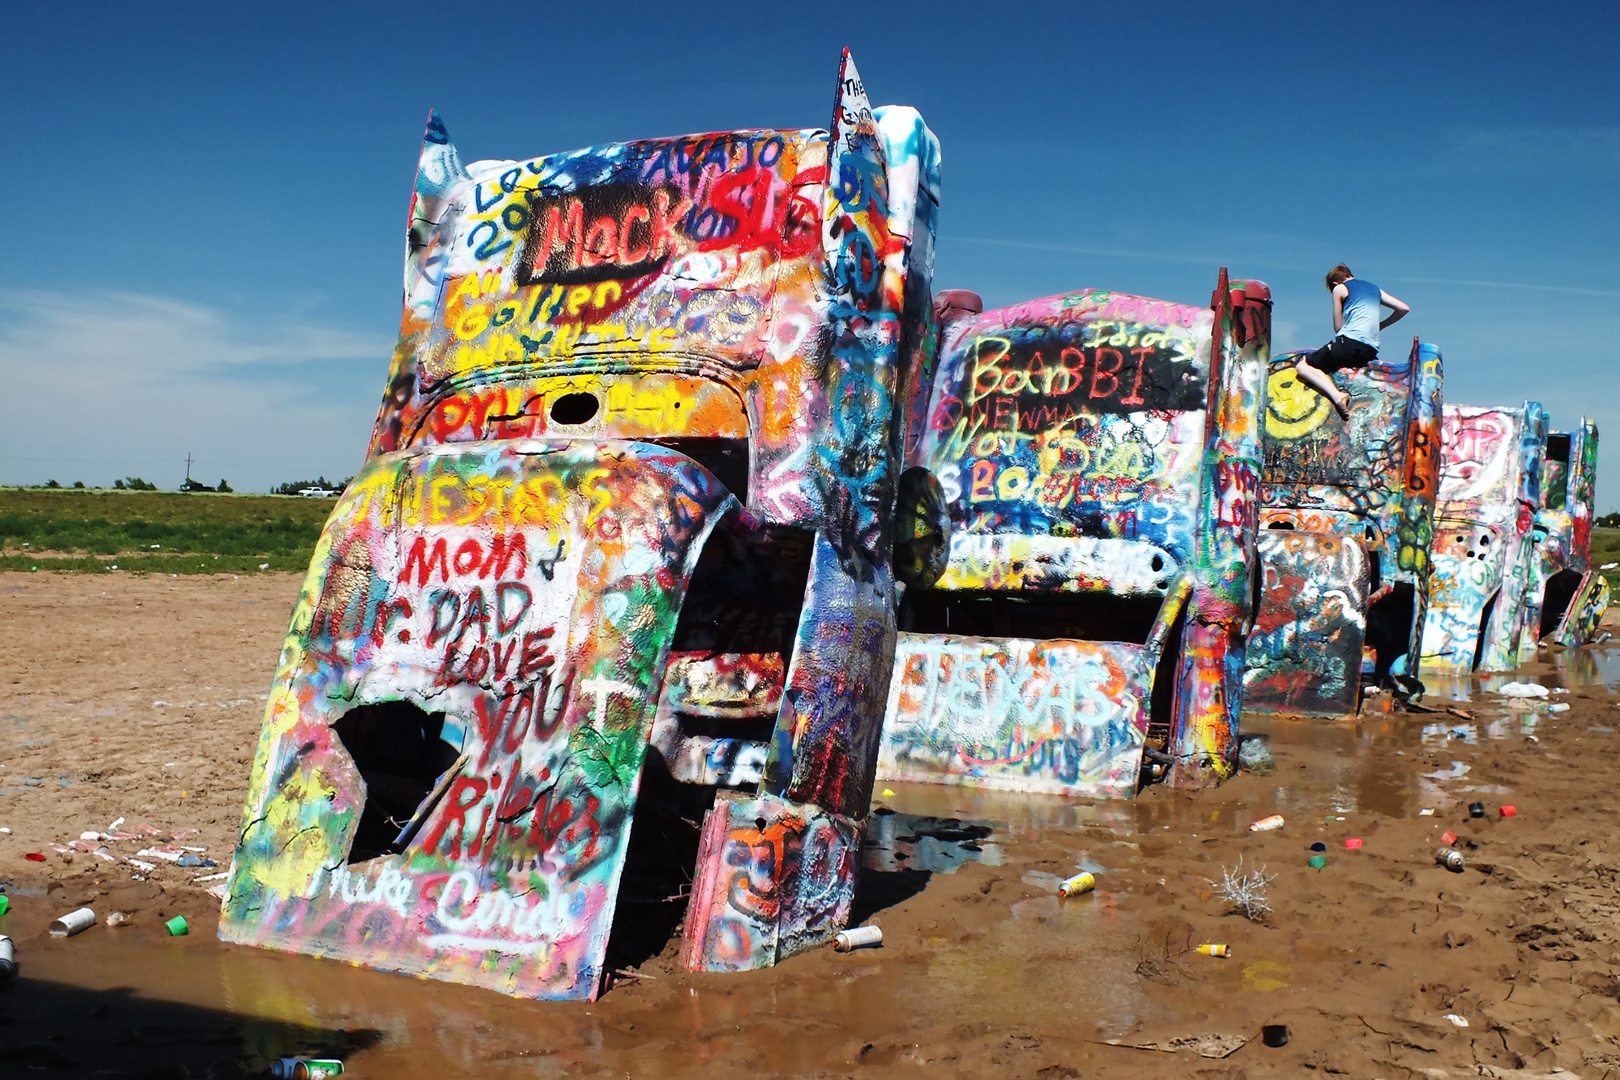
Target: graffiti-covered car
(1346,520)
(1567,595)
(1095,461)
(1484,550)
(631,483)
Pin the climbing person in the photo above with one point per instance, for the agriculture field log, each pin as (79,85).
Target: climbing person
(1356,307)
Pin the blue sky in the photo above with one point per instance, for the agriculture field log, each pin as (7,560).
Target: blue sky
(204,205)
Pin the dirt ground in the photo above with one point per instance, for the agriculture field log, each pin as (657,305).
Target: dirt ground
(140,698)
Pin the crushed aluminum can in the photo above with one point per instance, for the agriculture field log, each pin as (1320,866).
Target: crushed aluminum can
(1080,883)
(1451,859)
(1476,809)
(297,1068)
(1448,838)
(1508,810)
(74,922)
(1267,824)
(860,937)
(1222,951)
(8,962)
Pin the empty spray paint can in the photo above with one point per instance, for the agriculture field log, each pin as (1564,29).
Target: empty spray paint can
(1476,809)
(1222,951)
(1450,858)
(294,1068)
(861,937)
(1080,883)
(8,965)
(74,922)
(1266,824)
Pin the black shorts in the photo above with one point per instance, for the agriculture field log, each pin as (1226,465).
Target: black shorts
(1341,353)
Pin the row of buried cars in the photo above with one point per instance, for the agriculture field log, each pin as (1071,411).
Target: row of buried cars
(689,498)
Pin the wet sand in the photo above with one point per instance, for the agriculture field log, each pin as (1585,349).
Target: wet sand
(140,697)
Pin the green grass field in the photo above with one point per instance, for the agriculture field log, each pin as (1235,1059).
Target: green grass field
(1606,549)
(157,531)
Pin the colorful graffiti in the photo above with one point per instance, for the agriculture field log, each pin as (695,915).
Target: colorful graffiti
(1066,717)
(1567,596)
(1304,653)
(631,484)
(1368,483)
(1090,448)
(1490,487)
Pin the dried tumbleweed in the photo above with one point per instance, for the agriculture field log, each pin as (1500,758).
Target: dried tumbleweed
(1246,892)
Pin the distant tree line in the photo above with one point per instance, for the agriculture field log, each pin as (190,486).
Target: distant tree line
(1608,521)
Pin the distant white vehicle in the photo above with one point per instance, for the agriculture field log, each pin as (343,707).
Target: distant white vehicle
(317,493)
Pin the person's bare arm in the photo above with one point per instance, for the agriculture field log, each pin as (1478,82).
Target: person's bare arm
(1340,294)
(1397,309)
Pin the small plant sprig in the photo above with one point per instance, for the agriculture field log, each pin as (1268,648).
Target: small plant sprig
(1245,892)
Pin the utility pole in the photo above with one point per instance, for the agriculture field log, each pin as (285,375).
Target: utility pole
(188,468)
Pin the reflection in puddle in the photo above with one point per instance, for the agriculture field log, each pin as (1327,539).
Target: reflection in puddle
(894,842)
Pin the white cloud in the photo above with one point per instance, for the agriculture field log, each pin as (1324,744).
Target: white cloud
(104,384)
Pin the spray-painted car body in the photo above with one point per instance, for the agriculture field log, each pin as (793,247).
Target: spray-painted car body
(1097,456)
(1567,595)
(1484,549)
(1346,520)
(631,481)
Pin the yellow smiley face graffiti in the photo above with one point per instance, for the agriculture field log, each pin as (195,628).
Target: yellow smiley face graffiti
(1292,408)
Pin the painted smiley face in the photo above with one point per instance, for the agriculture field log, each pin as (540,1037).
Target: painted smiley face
(1292,408)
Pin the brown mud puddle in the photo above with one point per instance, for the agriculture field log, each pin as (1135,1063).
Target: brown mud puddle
(984,970)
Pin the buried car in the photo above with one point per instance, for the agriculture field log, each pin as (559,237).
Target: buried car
(1346,520)
(1567,595)
(1093,460)
(1483,552)
(630,485)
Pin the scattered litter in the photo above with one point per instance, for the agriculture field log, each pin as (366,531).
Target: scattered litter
(1458,769)
(1522,689)
(1508,810)
(1209,1046)
(1597,727)
(168,854)
(1531,738)
(177,926)
(1476,809)
(1080,883)
(887,793)
(1427,811)
(189,860)
(1352,843)
(1448,838)
(8,964)
(1562,706)
(91,836)
(1267,824)
(1274,1035)
(861,937)
(1463,713)
(114,826)
(143,866)
(1319,846)
(1609,566)
(1457,1021)
(35,856)
(74,922)
(5,903)
(1222,951)
(118,918)
(7,831)
(219,891)
(1560,689)
(1451,859)
(211,877)
(1316,862)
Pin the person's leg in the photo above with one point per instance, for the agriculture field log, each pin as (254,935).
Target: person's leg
(1322,383)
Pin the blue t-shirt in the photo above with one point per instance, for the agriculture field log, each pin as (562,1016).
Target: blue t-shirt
(1362,311)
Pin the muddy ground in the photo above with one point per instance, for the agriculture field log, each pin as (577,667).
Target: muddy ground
(140,698)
